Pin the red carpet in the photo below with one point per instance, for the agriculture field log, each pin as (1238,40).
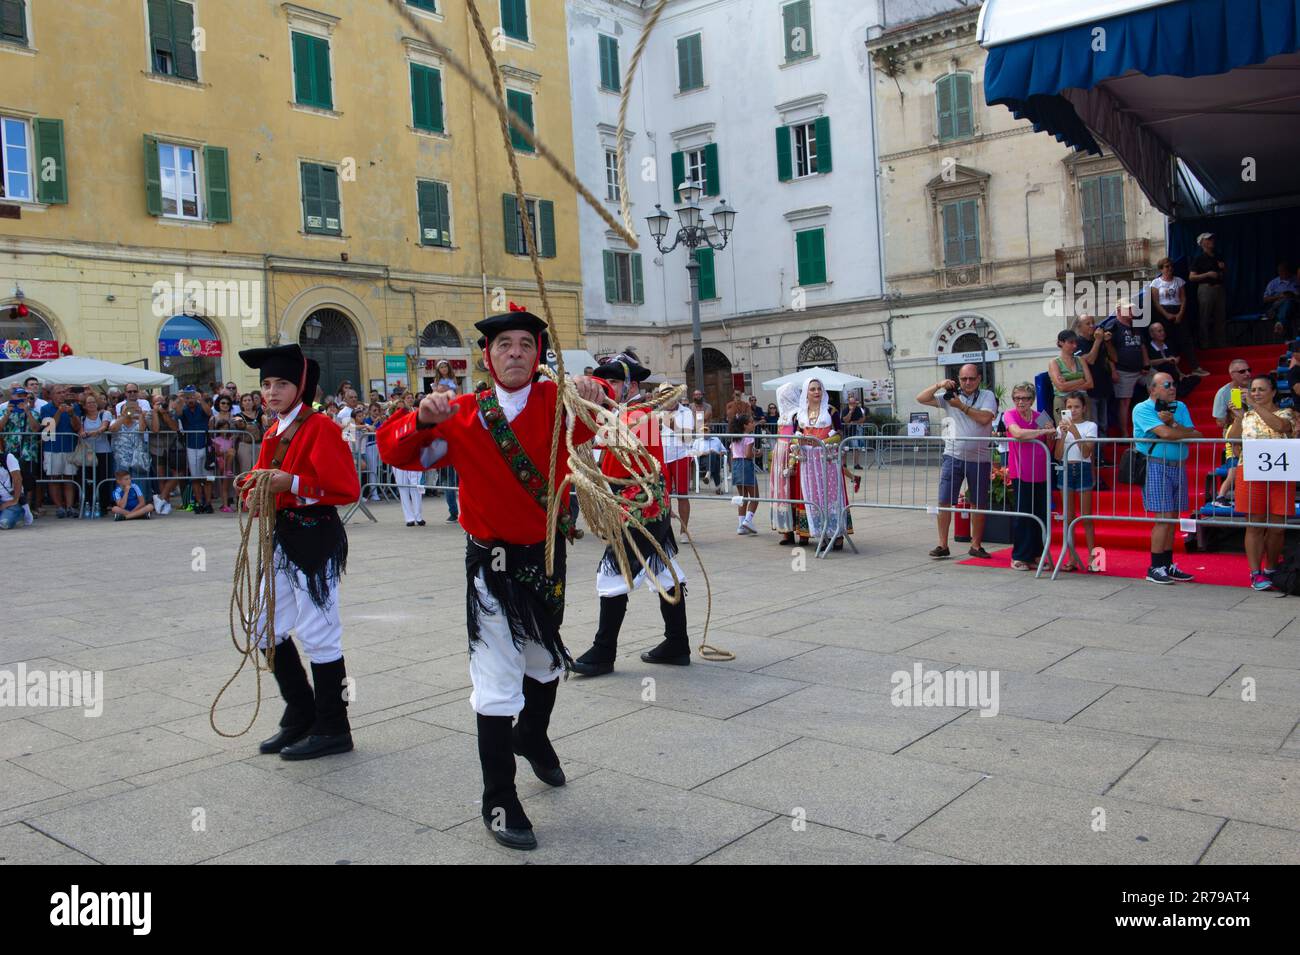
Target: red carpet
(1220,570)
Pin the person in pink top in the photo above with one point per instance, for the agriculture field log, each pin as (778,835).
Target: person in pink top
(742,472)
(1028,463)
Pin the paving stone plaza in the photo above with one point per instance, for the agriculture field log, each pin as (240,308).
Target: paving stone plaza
(1120,735)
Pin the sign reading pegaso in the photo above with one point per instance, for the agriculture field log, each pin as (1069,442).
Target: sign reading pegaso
(964,325)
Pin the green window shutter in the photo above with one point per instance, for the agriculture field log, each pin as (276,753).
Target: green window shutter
(638,284)
(427,203)
(302,69)
(970,229)
(1112,208)
(712,174)
(183,40)
(313,220)
(216,169)
(510,214)
(679,174)
(822,130)
(521,104)
(943,97)
(13,21)
(690,63)
(546,215)
(331,206)
(963,110)
(708,280)
(609,75)
(797,20)
(810,252)
(611,277)
(152,177)
(784,159)
(1090,195)
(444,213)
(952,244)
(48,134)
(426,99)
(321,73)
(514,19)
(160,31)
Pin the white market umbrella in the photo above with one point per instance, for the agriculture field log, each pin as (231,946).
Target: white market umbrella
(831,380)
(76,370)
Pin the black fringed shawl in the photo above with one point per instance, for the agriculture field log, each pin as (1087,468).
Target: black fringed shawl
(661,529)
(515,576)
(312,539)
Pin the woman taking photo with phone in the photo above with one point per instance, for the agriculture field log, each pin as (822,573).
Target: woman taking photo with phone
(1078,434)
(1268,502)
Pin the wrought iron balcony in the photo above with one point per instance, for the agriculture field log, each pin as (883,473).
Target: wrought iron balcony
(1128,255)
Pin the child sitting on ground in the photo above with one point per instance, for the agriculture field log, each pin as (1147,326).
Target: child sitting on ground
(128,500)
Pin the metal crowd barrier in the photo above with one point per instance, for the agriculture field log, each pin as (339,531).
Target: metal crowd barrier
(916,486)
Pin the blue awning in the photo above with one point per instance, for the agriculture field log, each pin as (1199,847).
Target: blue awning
(1213,82)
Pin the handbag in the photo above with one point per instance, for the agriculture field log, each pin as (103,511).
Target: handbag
(83,455)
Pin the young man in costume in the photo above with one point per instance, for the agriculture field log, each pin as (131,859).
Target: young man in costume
(499,441)
(626,375)
(313,473)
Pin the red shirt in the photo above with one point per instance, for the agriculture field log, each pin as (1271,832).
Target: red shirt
(320,459)
(494,505)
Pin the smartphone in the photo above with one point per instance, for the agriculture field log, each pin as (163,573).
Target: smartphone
(1067,414)
(1234,397)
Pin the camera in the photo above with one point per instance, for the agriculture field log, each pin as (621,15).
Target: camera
(950,394)
(1163,405)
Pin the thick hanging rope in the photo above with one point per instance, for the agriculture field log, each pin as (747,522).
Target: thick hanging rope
(253,596)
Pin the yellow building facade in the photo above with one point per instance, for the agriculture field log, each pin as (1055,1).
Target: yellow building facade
(186,178)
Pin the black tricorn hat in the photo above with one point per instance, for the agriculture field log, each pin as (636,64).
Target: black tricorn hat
(287,362)
(621,368)
(517,318)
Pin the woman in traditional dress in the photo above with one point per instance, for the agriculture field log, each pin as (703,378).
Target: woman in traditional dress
(783,462)
(818,474)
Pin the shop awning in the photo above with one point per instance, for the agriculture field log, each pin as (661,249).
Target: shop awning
(1215,83)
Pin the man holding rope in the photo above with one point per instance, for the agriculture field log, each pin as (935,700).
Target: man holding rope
(654,541)
(499,442)
(311,473)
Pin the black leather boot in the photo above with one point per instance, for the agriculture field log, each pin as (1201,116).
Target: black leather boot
(330,733)
(503,815)
(530,740)
(600,658)
(300,706)
(676,647)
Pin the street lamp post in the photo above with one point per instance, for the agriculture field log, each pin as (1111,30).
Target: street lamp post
(693,233)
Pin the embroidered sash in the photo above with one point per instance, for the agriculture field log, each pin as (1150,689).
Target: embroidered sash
(521,466)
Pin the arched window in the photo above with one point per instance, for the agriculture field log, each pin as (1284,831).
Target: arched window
(952,97)
(818,351)
(27,342)
(970,342)
(190,349)
(440,335)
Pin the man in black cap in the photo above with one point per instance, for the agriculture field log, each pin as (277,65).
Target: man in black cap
(652,513)
(498,440)
(312,473)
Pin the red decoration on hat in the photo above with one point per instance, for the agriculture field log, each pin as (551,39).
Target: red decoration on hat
(517,308)
(65,350)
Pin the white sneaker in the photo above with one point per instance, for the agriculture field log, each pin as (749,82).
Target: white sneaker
(740,530)
(27,516)
(748,529)
(159,504)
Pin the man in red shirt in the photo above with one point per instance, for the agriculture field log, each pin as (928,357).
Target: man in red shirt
(652,514)
(313,472)
(499,442)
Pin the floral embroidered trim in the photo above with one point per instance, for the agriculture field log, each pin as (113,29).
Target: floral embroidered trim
(521,466)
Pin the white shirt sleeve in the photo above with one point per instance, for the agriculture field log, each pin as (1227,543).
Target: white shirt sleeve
(294,489)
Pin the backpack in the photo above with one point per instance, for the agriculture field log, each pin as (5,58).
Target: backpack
(1286,577)
(1133,467)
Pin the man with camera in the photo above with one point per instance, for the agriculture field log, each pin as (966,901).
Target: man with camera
(967,428)
(1164,494)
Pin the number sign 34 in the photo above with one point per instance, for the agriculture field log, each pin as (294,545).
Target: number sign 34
(1274,459)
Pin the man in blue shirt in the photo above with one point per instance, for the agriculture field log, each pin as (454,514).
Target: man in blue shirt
(57,448)
(1282,296)
(1165,491)
(194,422)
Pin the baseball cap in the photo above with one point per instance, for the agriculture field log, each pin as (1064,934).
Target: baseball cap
(17,392)
(1203,236)
(189,390)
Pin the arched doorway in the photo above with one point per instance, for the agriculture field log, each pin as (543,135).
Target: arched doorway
(970,342)
(440,341)
(717,385)
(817,351)
(189,348)
(27,341)
(335,348)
